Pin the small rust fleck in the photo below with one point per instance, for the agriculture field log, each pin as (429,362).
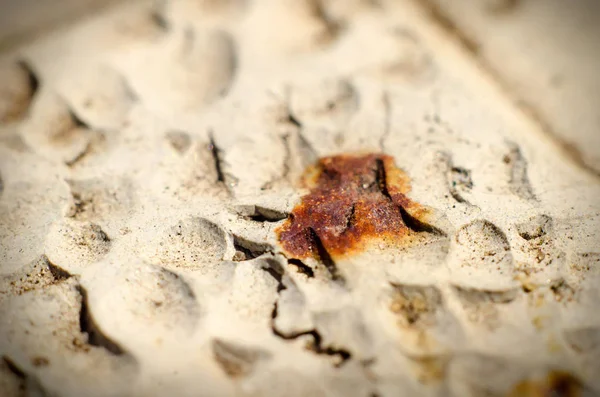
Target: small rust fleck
(353,199)
(555,384)
(40,361)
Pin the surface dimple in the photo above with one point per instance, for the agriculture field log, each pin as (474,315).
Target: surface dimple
(535,227)
(192,243)
(100,199)
(157,303)
(335,100)
(55,132)
(483,306)
(179,141)
(73,245)
(237,360)
(423,321)
(148,171)
(18,85)
(485,244)
(105,101)
(39,274)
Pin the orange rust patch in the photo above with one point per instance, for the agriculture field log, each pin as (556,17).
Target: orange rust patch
(354,199)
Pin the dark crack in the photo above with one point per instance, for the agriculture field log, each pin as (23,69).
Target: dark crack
(88,325)
(381,179)
(274,268)
(302,267)
(250,249)
(262,214)
(410,221)
(351,218)
(28,384)
(215,152)
(316,344)
(324,256)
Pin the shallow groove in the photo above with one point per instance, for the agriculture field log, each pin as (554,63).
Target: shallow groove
(14,368)
(459,177)
(519,181)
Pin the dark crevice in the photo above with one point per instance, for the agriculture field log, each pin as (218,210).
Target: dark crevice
(324,256)
(262,214)
(215,152)
(79,123)
(87,325)
(351,218)
(80,156)
(302,267)
(14,368)
(456,196)
(57,272)
(410,221)
(157,17)
(34,82)
(418,226)
(459,177)
(250,249)
(316,345)
(276,271)
(293,120)
(381,179)
(29,385)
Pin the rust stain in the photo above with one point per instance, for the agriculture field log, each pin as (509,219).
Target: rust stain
(353,200)
(555,384)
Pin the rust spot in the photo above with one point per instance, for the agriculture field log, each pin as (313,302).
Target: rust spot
(353,200)
(555,384)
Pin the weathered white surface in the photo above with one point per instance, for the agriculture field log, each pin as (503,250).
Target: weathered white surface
(142,179)
(546,53)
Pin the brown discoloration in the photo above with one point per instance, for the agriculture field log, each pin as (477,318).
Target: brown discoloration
(556,383)
(354,199)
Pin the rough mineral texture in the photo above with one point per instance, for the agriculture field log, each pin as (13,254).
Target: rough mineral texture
(299,198)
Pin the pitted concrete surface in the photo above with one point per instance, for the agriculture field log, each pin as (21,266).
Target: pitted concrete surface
(149,152)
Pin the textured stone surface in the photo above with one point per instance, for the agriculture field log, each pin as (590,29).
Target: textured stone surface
(150,153)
